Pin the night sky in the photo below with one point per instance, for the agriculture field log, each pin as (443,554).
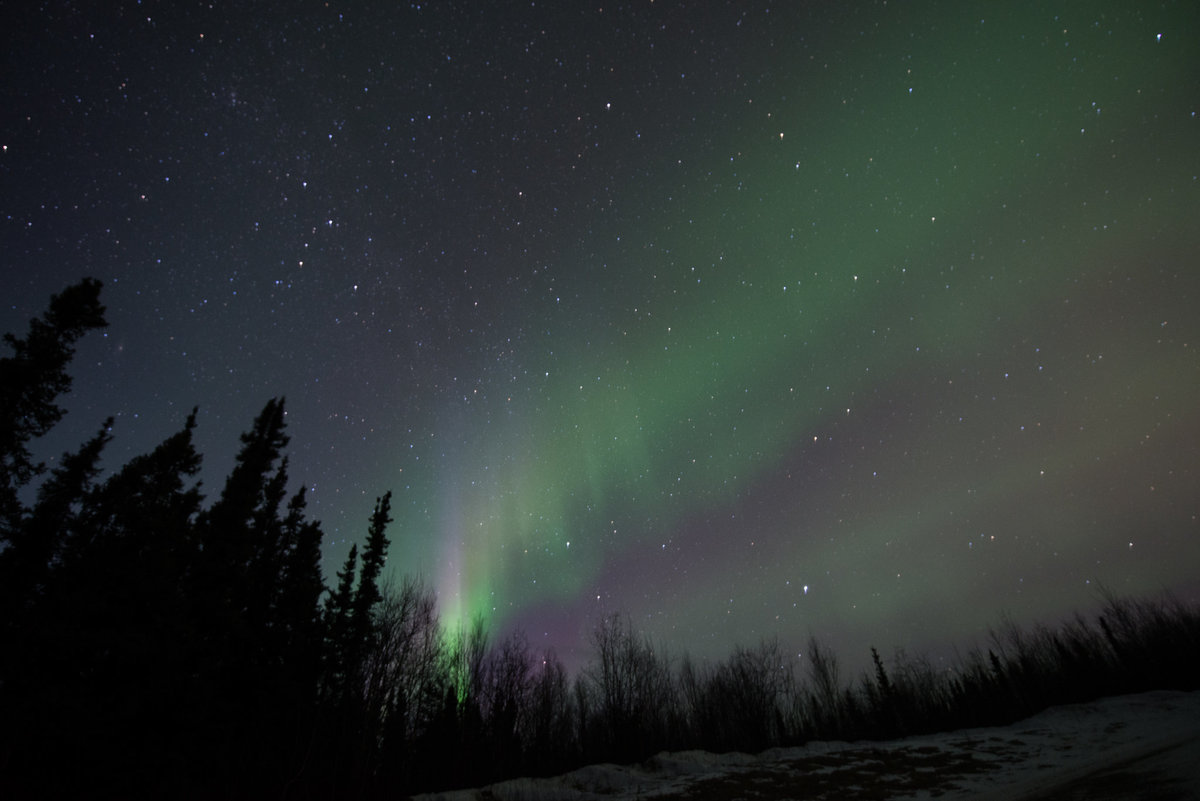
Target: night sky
(874,321)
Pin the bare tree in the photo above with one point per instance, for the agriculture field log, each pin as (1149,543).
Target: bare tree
(826,700)
(403,664)
(632,688)
(549,725)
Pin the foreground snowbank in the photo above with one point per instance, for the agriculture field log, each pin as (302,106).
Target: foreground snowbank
(1136,746)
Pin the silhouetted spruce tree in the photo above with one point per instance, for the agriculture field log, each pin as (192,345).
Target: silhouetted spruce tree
(232,591)
(373,558)
(337,627)
(298,613)
(31,381)
(137,526)
(122,587)
(298,606)
(239,534)
(240,531)
(39,671)
(338,686)
(35,548)
(365,699)
(105,688)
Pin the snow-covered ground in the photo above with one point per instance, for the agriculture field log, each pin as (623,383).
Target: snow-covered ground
(1132,747)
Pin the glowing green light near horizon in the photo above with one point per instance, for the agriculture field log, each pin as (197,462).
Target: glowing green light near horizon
(808,271)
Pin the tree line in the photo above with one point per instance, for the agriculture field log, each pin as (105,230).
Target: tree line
(157,645)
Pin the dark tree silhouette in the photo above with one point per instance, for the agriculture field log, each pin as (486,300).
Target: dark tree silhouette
(36,547)
(631,690)
(240,533)
(550,723)
(373,557)
(300,589)
(337,624)
(31,381)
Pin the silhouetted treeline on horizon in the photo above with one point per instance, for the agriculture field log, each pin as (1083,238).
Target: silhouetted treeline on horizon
(156,646)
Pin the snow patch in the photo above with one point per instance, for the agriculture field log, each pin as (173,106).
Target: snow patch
(1080,750)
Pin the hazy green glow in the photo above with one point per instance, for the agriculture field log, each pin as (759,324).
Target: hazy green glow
(951,246)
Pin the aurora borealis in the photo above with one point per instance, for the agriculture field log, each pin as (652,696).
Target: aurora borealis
(875,321)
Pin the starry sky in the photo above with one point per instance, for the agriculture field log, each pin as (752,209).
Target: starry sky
(874,321)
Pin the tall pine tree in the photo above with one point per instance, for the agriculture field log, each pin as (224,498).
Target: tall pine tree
(35,547)
(338,632)
(374,557)
(31,381)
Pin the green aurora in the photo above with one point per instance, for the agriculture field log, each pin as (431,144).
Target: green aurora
(917,327)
